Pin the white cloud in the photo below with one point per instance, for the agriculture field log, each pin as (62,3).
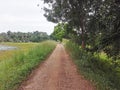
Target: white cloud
(23,15)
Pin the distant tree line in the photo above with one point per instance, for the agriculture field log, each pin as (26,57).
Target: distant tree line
(23,37)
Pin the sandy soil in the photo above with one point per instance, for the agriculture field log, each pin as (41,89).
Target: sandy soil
(58,72)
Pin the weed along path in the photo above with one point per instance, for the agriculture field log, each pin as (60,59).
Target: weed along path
(57,73)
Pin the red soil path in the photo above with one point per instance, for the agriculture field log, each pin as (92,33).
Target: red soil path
(58,72)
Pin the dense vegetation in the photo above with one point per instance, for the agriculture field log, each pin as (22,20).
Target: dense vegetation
(96,67)
(15,69)
(94,25)
(95,22)
(23,37)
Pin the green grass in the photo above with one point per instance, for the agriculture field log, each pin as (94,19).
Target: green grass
(15,70)
(104,72)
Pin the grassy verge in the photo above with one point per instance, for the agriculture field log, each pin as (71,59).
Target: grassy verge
(13,71)
(98,68)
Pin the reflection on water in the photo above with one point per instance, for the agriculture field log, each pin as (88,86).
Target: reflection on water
(4,47)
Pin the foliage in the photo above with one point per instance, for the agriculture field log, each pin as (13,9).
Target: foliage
(23,37)
(59,32)
(97,67)
(96,22)
(104,25)
(72,12)
(15,70)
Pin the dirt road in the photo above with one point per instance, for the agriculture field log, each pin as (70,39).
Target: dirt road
(57,73)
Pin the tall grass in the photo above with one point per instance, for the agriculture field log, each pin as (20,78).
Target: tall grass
(13,71)
(97,67)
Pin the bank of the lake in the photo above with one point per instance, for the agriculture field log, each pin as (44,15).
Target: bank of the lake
(15,69)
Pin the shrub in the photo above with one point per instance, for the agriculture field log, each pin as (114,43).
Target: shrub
(97,67)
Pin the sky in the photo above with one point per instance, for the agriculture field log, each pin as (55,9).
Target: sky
(23,16)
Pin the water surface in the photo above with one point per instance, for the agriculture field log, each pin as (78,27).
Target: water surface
(5,47)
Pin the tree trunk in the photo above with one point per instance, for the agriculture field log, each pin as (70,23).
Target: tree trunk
(83,38)
(83,33)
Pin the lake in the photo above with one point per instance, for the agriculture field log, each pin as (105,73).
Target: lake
(5,47)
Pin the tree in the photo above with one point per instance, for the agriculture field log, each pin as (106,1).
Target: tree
(96,22)
(104,25)
(71,11)
(59,32)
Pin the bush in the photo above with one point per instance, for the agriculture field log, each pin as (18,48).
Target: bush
(97,67)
